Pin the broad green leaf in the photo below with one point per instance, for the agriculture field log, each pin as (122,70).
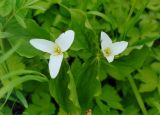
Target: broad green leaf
(128,63)
(76,66)
(32,31)
(88,83)
(78,19)
(64,86)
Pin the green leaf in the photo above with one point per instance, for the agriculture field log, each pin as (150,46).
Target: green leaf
(6,111)
(76,66)
(131,110)
(64,86)
(20,20)
(5,7)
(148,78)
(78,19)
(109,95)
(154,5)
(20,33)
(19,81)
(4,57)
(4,35)
(30,2)
(88,83)
(98,111)
(36,7)
(128,63)
(39,99)
(22,99)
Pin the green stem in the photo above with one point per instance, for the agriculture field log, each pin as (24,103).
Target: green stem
(137,95)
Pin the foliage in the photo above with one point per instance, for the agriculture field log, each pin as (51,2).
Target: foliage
(127,86)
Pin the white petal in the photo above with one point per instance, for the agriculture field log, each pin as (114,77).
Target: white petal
(110,58)
(119,47)
(43,45)
(65,40)
(105,40)
(55,64)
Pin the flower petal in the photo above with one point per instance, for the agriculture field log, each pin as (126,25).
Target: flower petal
(119,47)
(105,40)
(65,40)
(55,64)
(43,45)
(110,58)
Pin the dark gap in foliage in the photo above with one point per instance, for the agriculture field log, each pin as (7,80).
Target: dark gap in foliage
(147,10)
(81,60)
(17,108)
(109,80)
(134,72)
(115,34)
(119,111)
(71,60)
(156,43)
(56,105)
(104,102)
(120,93)
(101,8)
(133,14)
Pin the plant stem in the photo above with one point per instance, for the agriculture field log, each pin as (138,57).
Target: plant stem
(137,95)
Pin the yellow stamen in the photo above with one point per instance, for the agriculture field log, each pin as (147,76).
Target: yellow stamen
(57,50)
(107,52)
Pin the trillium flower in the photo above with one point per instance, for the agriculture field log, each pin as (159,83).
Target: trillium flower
(110,49)
(55,49)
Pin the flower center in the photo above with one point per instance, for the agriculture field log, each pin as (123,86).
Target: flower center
(107,52)
(57,50)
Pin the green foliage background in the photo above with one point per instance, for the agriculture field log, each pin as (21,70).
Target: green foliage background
(128,86)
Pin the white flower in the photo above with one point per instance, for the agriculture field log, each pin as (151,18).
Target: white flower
(110,49)
(56,49)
